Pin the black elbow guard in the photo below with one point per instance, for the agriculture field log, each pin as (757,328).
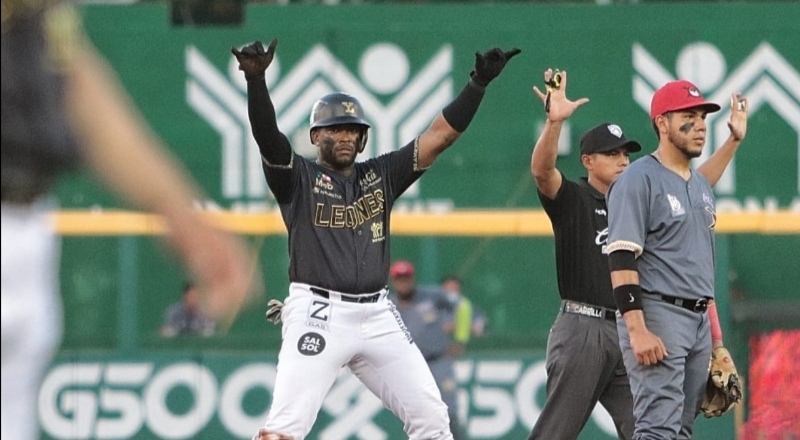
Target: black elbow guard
(622,260)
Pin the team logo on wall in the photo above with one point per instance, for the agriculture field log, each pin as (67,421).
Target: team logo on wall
(383,72)
(764,77)
(311,344)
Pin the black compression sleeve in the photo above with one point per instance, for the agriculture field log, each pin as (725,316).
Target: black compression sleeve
(273,144)
(460,111)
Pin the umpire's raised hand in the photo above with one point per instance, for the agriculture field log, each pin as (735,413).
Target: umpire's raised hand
(253,60)
(556,104)
(490,63)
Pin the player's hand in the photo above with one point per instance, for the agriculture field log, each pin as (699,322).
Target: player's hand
(555,101)
(253,59)
(222,265)
(490,63)
(647,347)
(737,122)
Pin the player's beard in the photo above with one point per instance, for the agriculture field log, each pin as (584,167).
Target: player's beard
(684,145)
(328,155)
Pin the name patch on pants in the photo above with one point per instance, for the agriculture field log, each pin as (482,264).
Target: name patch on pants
(311,344)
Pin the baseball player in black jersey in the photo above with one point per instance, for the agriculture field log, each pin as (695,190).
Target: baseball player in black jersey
(337,213)
(584,362)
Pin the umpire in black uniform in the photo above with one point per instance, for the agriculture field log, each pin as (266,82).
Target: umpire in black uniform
(584,362)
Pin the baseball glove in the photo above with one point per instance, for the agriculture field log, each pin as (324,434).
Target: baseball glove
(253,59)
(490,63)
(274,311)
(723,389)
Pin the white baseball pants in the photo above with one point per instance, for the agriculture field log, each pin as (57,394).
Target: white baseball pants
(321,335)
(31,313)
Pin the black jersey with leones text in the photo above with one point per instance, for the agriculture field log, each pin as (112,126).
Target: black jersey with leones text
(339,225)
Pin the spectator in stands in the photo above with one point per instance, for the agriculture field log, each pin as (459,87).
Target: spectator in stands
(468,320)
(185,316)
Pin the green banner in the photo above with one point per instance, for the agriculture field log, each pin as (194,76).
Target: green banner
(405,62)
(201,396)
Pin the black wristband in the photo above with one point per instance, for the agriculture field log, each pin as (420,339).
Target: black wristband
(460,111)
(256,77)
(480,82)
(628,297)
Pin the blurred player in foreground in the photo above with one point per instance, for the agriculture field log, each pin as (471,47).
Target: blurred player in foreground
(62,107)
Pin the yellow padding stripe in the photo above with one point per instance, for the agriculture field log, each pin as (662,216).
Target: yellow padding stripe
(456,223)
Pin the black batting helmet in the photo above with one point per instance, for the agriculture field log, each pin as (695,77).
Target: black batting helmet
(339,108)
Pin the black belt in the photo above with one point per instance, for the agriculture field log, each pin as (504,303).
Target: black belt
(578,308)
(695,305)
(360,299)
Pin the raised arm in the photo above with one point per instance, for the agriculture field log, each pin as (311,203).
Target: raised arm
(545,153)
(253,61)
(456,116)
(122,150)
(713,168)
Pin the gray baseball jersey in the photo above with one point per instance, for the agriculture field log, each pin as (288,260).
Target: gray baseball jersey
(668,223)
(339,226)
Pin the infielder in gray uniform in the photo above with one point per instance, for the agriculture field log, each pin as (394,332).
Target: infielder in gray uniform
(337,213)
(661,220)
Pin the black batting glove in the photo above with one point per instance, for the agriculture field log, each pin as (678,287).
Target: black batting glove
(490,63)
(254,60)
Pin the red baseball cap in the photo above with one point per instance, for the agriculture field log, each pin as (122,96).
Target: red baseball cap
(402,268)
(678,95)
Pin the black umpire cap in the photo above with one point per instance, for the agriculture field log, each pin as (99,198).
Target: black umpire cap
(607,137)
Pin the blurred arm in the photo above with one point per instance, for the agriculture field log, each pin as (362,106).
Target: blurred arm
(129,158)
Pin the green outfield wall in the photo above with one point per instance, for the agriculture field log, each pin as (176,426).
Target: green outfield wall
(405,62)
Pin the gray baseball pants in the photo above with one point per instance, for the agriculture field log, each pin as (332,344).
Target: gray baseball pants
(667,396)
(584,366)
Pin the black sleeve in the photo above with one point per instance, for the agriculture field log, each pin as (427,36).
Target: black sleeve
(401,168)
(274,146)
(564,197)
(462,109)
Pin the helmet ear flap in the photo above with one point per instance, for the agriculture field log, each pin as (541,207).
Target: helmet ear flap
(364,137)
